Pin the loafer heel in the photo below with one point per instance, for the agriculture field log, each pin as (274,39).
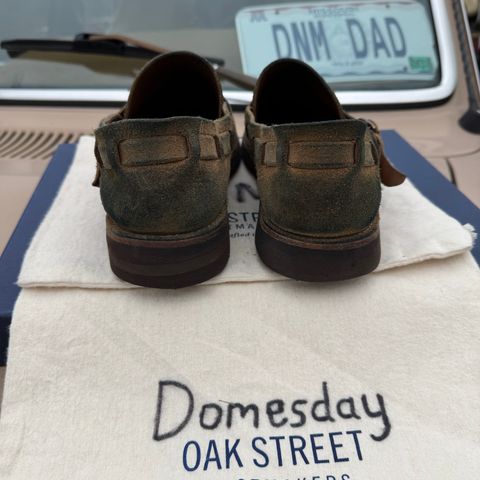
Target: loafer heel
(318,260)
(160,262)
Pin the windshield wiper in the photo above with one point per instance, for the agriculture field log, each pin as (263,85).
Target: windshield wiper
(95,44)
(114,45)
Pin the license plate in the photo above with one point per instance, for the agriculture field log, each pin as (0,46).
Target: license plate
(345,40)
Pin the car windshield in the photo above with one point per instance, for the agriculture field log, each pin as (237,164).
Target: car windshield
(360,45)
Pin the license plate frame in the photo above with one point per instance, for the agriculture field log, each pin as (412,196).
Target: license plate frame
(347,41)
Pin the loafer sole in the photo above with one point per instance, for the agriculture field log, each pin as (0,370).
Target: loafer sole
(168,263)
(316,260)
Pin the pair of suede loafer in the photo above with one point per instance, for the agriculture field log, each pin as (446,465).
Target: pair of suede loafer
(165,160)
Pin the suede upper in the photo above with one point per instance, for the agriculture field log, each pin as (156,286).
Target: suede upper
(164,160)
(318,170)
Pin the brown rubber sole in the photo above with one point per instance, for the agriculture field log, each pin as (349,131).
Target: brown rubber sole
(316,261)
(168,263)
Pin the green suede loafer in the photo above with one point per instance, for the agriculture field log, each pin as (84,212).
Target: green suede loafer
(163,167)
(318,172)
